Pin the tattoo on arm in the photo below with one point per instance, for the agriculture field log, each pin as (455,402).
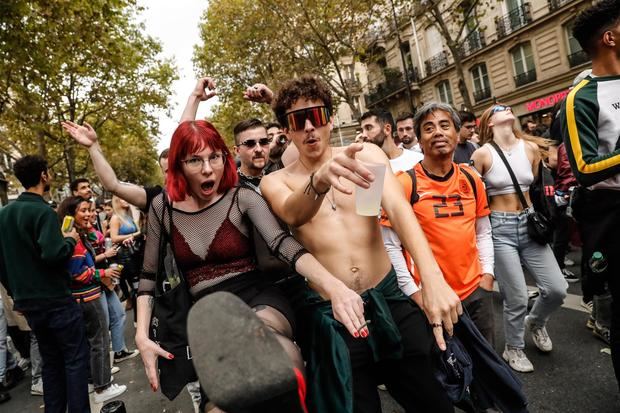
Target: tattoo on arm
(151,302)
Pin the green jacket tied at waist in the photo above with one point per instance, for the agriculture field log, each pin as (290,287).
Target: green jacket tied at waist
(328,363)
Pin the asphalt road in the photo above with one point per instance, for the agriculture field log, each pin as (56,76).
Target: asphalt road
(576,377)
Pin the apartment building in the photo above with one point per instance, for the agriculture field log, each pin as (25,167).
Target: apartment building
(522,54)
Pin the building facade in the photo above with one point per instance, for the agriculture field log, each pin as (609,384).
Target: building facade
(522,54)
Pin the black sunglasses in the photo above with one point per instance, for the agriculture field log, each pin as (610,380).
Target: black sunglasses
(250,143)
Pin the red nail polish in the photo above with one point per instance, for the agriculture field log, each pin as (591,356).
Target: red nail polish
(356,334)
(170,356)
(364,334)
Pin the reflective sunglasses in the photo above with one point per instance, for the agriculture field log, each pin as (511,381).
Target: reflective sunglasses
(296,120)
(499,108)
(250,143)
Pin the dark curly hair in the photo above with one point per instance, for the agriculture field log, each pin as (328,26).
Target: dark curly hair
(304,87)
(591,23)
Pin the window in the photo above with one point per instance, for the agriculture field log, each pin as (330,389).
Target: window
(576,55)
(444,92)
(480,79)
(434,42)
(522,58)
(523,64)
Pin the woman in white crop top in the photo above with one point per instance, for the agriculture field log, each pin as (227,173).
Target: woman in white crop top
(511,243)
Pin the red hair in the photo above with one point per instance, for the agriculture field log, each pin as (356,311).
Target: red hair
(192,137)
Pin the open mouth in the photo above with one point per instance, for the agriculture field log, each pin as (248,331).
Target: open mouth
(207,186)
(311,141)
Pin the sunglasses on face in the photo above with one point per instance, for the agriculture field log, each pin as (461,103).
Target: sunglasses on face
(500,108)
(296,120)
(250,143)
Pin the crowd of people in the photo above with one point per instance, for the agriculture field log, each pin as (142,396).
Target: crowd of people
(285,298)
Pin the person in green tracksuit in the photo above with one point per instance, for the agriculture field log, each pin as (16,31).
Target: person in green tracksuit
(591,131)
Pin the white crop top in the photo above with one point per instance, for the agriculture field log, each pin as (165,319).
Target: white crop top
(497,178)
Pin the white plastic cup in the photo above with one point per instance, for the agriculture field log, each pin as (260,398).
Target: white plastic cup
(368,201)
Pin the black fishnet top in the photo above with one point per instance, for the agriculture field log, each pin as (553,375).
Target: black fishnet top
(214,244)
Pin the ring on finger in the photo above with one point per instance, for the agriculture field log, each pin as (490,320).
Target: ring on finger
(437,325)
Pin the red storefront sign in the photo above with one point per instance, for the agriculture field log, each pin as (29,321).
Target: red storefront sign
(545,102)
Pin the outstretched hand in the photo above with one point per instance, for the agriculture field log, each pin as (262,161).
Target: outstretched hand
(344,165)
(258,93)
(204,89)
(85,135)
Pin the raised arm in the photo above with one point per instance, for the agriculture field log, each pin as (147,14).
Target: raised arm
(86,136)
(258,93)
(203,91)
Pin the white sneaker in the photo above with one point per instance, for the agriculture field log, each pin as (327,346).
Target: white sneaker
(37,388)
(568,262)
(115,370)
(517,360)
(539,335)
(111,392)
(382,387)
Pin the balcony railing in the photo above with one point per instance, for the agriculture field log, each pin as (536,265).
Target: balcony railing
(395,82)
(525,78)
(436,63)
(556,4)
(514,20)
(473,42)
(482,94)
(578,58)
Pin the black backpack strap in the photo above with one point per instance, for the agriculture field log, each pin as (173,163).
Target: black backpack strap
(414,187)
(515,182)
(471,180)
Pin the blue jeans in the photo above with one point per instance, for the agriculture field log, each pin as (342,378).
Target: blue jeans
(513,246)
(115,314)
(7,361)
(61,335)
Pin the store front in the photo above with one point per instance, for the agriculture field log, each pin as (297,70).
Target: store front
(540,108)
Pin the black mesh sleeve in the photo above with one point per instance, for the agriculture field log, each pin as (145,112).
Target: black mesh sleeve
(151,249)
(279,241)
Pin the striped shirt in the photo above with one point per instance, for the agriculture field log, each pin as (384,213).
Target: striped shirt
(85,278)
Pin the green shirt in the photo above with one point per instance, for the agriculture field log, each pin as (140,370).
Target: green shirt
(33,253)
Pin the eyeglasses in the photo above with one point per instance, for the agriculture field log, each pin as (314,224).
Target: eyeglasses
(250,143)
(500,108)
(296,120)
(195,163)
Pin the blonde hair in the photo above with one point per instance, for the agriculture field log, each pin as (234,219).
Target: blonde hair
(123,214)
(486,133)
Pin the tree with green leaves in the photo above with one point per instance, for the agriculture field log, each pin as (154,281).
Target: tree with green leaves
(458,23)
(268,41)
(81,60)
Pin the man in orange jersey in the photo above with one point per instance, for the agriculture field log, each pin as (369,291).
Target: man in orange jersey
(450,202)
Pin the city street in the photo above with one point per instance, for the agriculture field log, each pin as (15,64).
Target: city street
(576,377)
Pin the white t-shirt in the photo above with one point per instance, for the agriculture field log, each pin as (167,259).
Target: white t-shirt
(406,161)
(414,148)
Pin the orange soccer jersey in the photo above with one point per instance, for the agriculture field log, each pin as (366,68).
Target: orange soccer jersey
(447,211)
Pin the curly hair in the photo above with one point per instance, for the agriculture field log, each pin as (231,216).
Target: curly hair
(304,87)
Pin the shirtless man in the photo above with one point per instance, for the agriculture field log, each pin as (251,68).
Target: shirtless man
(310,196)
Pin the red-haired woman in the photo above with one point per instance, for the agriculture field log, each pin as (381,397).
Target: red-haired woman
(511,242)
(211,231)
